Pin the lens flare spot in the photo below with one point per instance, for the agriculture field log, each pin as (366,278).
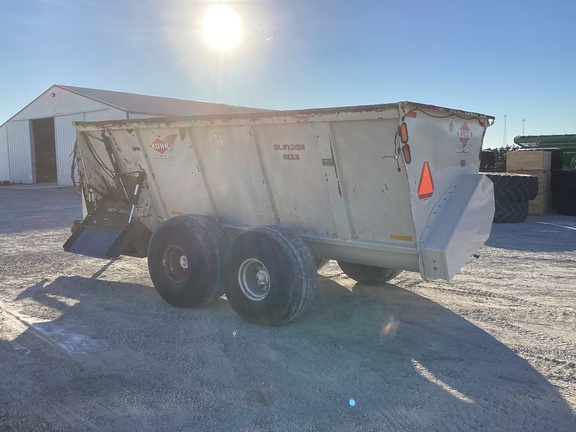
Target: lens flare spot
(388,329)
(222,27)
(352,402)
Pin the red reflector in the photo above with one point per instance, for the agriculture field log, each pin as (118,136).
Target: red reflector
(407,154)
(426,186)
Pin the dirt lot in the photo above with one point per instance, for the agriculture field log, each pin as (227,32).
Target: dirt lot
(88,345)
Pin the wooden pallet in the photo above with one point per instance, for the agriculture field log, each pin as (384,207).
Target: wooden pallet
(540,205)
(534,163)
(528,160)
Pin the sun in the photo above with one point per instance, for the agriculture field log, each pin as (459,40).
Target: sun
(222,28)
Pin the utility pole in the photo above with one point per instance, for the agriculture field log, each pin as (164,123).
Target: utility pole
(523,126)
(505,138)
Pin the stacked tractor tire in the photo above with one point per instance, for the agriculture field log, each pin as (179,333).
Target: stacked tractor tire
(511,195)
(564,191)
(534,184)
(563,185)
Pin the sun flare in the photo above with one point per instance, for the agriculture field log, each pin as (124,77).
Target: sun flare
(222,28)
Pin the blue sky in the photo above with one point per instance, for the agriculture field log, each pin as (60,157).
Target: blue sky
(498,57)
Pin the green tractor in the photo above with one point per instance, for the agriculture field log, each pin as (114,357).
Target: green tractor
(566,143)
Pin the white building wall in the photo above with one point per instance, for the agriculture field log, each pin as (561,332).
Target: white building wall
(56,102)
(16,146)
(111,114)
(4,156)
(20,151)
(66,137)
(16,149)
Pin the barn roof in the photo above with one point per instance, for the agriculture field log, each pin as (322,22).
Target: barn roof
(156,105)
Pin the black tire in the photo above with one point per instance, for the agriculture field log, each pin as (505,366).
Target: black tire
(368,274)
(566,203)
(517,187)
(557,158)
(564,180)
(269,276)
(563,190)
(185,256)
(221,240)
(510,211)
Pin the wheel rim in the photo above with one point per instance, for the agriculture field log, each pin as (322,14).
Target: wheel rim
(175,264)
(254,279)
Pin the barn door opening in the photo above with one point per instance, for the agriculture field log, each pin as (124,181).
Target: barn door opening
(44,150)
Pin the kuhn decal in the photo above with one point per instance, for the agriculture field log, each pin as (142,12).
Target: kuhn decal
(162,146)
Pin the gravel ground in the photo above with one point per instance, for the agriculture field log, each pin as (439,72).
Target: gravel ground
(87,344)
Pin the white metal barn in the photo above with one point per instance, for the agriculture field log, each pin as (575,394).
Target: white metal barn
(36,144)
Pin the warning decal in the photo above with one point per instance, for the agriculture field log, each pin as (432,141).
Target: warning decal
(464,134)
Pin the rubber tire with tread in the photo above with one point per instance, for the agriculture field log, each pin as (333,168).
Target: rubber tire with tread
(203,242)
(518,187)
(510,211)
(557,158)
(566,204)
(564,180)
(292,275)
(564,191)
(368,274)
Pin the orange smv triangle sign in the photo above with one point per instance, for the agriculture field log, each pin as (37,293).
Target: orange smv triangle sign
(426,186)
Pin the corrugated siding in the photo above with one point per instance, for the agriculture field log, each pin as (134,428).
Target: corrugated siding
(20,150)
(62,103)
(4,161)
(111,114)
(66,136)
(16,150)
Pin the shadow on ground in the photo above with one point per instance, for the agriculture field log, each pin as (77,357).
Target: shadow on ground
(377,358)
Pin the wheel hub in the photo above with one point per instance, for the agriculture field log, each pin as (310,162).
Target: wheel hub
(175,264)
(254,279)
